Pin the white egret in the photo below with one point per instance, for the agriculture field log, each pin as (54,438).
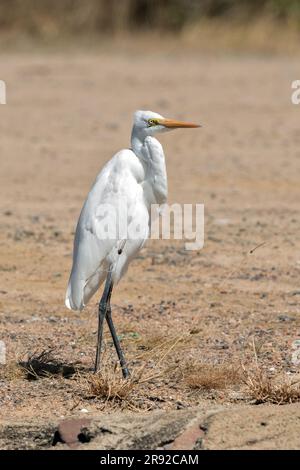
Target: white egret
(129,183)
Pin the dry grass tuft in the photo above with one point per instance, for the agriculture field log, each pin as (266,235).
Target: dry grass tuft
(110,388)
(140,390)
(264,389)
(152,371)
(44,364)
(211,377)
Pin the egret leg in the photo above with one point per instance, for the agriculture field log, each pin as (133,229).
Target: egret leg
(116,341)
(103,306)
(105,311)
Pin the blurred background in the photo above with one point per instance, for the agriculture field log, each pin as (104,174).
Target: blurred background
(254,24)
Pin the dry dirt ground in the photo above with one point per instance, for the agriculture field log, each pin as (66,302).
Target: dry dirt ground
(200,329)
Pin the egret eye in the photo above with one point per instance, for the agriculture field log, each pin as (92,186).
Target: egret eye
(152,122)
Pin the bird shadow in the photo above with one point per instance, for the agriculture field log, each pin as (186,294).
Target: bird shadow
(44,364)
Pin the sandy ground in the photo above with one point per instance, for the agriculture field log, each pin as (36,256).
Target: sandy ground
(176,311)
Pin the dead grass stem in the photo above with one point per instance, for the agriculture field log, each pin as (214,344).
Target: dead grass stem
(136,392)
(211,376)
(262,388)
(277,390)
(44,364)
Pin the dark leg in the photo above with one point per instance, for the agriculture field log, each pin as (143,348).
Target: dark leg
(105,311)
(116,341)
(103,305)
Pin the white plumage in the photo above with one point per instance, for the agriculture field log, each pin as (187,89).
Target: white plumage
(136,178)
(120,198)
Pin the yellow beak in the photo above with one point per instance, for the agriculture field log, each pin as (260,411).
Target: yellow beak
(172,123)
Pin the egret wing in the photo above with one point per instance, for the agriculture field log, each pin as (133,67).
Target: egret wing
(115,189)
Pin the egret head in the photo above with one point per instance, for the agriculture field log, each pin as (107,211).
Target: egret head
(148,123)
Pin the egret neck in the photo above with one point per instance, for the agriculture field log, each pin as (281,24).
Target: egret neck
(151,155)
